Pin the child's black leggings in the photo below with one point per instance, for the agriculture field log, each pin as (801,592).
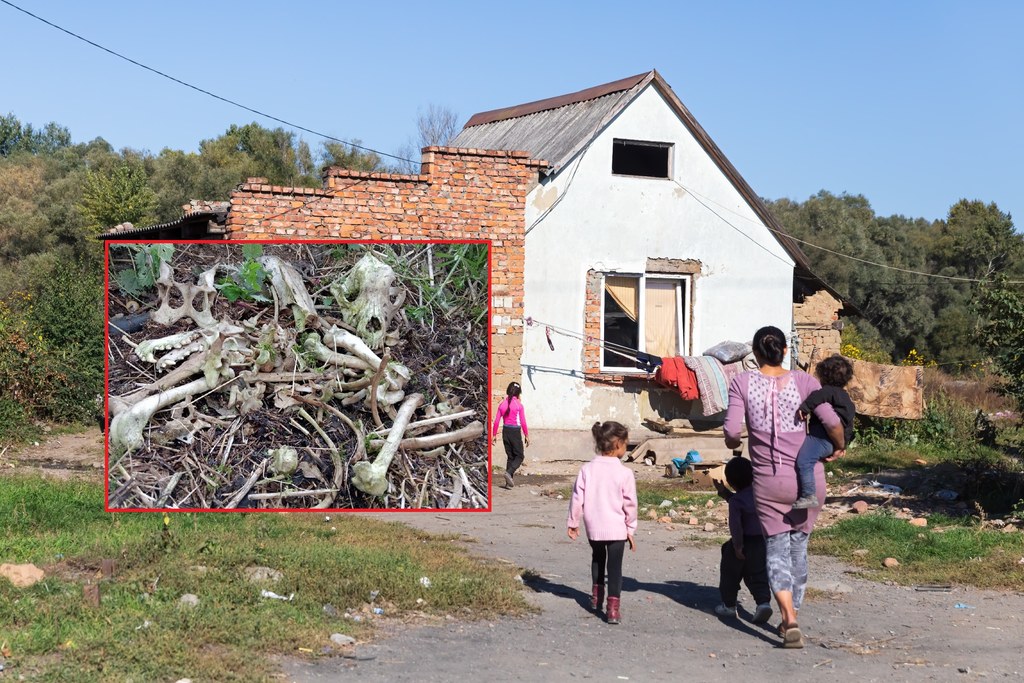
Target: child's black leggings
(610,553)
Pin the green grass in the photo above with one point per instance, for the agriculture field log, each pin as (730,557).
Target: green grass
(54,635)
(652,494)
(948,550)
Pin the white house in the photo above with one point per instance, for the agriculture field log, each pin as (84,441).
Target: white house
(640,233)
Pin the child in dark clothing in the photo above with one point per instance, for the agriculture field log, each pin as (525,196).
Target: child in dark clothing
(834,372)
(744,555)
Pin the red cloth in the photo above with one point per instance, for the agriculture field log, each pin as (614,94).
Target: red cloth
(674,374)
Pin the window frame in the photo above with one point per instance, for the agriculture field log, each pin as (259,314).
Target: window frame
(683,288)
(669,161)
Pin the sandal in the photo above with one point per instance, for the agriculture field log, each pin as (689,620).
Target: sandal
(792,638)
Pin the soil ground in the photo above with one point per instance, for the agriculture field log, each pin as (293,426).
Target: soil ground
(855,629)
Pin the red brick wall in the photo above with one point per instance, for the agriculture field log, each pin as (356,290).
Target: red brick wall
(460,194)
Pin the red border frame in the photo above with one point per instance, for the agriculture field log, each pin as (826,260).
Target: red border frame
(106,374)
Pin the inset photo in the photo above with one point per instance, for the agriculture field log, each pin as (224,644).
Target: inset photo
(297,376)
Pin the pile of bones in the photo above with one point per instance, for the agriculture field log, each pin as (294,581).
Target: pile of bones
(322,375)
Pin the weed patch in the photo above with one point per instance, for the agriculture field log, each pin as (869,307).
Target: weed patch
(140,631)
(948,550)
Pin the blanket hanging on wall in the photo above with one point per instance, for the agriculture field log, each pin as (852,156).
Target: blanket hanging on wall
(882,390)
(714,393)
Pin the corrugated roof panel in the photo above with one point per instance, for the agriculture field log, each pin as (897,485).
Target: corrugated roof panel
(552,135)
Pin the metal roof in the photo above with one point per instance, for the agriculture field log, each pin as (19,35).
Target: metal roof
(555,129)
(191,225)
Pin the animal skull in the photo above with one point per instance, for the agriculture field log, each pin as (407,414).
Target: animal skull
(368,299)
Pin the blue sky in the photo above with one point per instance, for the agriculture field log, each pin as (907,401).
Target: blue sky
(913,104)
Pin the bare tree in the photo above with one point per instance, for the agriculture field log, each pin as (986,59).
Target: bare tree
(435,126)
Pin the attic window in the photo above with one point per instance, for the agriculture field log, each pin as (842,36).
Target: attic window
(641,158)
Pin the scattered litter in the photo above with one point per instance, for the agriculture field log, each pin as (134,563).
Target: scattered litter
(425,582)
(886,488)
(934,587)
(961,605)
(378,610)
(373,595)
(1020,561)
(271,594)
(327,518)
(145,624)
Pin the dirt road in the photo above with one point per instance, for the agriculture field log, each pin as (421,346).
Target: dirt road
(856,630)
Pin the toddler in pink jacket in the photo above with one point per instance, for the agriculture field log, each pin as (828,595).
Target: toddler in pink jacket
(604,495)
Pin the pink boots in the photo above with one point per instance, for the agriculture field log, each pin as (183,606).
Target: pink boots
(613,610)
(596,596)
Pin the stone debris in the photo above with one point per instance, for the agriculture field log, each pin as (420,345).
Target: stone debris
(261,575)
(22,575)
(890,563)
(342,639)
(188,601)
(860,507)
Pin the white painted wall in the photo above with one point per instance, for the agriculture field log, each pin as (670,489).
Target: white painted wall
(614,223)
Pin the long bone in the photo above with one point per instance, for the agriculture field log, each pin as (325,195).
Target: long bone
(396,375)
(127,426)
(371,477)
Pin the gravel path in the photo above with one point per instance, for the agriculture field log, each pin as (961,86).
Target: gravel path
(855,629)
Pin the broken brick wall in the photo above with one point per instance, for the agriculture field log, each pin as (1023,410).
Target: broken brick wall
(814,319)
(460,194)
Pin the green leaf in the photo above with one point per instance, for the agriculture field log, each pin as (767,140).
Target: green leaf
(251,252)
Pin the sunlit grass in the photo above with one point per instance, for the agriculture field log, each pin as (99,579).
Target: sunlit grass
(140,632)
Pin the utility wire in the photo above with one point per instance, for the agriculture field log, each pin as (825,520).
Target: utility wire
(697,196)
(201,90)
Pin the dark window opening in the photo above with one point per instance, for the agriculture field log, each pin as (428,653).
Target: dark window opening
(620,330)
(648,159)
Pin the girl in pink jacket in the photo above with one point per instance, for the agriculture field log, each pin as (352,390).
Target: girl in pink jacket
(605,496)
(511,418)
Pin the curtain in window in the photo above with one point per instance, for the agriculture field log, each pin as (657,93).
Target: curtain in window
(661,318)
(626,292)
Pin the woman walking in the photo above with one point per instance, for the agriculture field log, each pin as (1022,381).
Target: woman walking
(768,399)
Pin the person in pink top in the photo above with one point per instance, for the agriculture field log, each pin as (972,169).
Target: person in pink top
(768,400)
(605,497)
(511,417)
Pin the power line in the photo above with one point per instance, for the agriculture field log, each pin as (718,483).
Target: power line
(201,90)
(722,218)
(697,195)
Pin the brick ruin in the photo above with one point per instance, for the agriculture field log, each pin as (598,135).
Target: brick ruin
(815,320)
(460,194)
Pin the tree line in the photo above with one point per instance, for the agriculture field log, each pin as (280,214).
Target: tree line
(57,195)
(938,317)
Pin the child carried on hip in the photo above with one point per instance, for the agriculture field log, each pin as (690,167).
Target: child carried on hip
(834,373)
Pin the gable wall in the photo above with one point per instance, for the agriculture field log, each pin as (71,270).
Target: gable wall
(598,222)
